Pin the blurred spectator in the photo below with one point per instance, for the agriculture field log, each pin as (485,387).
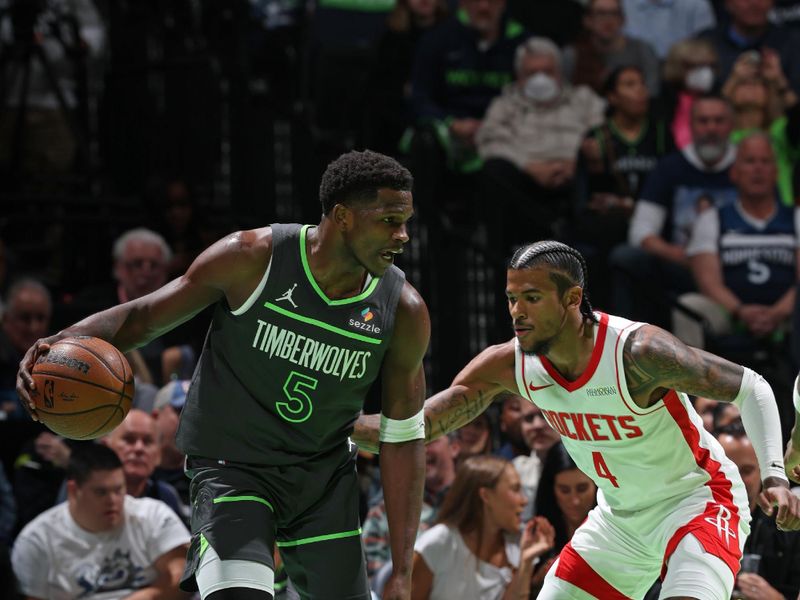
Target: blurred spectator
(440,471)
(39,136)
(101,543)
(389,89)
(723,414)
(604,47)
(529,141)
(565,495)
(664,22)
(137,442)
(682,185)
(140,257)
(460,66)
(339,48)
(167,409)
(690,71)
(26,318)
(513,444)
(39,475)
(749,30)
(474,438)
(705,408)
(762,101)
(614,160)
(473,552)
(743,256)
(776,553)
(180,221)
(539,437)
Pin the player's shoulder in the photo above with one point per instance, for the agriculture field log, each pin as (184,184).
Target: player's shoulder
(411,301)
(648,343)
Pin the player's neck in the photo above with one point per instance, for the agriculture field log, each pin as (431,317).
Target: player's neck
(571,351)
(334,270)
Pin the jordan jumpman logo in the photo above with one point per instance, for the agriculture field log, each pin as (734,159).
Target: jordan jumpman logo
(287,295)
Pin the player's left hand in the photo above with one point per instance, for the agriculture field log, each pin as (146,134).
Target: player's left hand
(755,587)
(780,498)
(397,587)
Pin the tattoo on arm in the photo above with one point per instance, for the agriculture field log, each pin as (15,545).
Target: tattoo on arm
(654,359)
(452,409)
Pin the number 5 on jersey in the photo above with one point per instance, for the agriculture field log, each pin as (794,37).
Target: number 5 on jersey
(298,407)
(602,468)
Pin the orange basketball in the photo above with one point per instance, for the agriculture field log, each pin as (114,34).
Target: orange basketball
(84,387)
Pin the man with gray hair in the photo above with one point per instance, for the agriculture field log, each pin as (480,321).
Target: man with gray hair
(140,258)
(529,140)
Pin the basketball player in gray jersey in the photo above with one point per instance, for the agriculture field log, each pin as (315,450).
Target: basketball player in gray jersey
(305,318)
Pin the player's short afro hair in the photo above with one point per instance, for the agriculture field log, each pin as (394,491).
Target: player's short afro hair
(356,176)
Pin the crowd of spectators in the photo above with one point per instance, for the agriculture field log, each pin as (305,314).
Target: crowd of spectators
(660,137)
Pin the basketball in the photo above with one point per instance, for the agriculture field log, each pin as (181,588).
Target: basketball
(84,387)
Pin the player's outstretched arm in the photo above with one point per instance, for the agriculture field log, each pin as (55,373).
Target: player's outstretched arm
(656,361)
(230,268)
(402,435)
(471,392)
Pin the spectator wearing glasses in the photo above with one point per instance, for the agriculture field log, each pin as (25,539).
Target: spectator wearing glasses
(26,318)
(604,47)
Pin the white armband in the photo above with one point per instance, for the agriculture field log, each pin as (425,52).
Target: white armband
(762,423)
(404,430)
(795,395)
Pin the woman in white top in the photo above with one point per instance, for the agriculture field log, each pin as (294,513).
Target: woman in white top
(475,552)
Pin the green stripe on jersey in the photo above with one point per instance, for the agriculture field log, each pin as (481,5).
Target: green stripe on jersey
(370,288)
(321,324)
(320,538)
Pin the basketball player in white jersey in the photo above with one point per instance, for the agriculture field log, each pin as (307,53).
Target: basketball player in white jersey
(670,503)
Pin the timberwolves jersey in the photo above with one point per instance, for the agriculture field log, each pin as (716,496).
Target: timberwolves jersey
(638,457)
(758,259)
(283,378)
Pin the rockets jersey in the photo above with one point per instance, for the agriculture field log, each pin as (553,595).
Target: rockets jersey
(282,378)
(638,457)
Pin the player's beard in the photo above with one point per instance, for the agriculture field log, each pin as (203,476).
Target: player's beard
(540,348)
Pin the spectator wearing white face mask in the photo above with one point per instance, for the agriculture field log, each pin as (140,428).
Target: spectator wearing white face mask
(529,141)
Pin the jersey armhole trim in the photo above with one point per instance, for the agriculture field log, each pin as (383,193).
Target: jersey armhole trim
(256,293)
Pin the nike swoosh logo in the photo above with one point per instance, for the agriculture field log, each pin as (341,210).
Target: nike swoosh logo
(536,388)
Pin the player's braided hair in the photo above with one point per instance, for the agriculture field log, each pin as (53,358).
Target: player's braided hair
(356,176)
(567,263)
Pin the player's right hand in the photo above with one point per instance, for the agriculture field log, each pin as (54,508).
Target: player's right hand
(25,384)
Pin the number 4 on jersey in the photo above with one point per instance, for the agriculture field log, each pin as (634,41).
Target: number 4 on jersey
(602,468)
